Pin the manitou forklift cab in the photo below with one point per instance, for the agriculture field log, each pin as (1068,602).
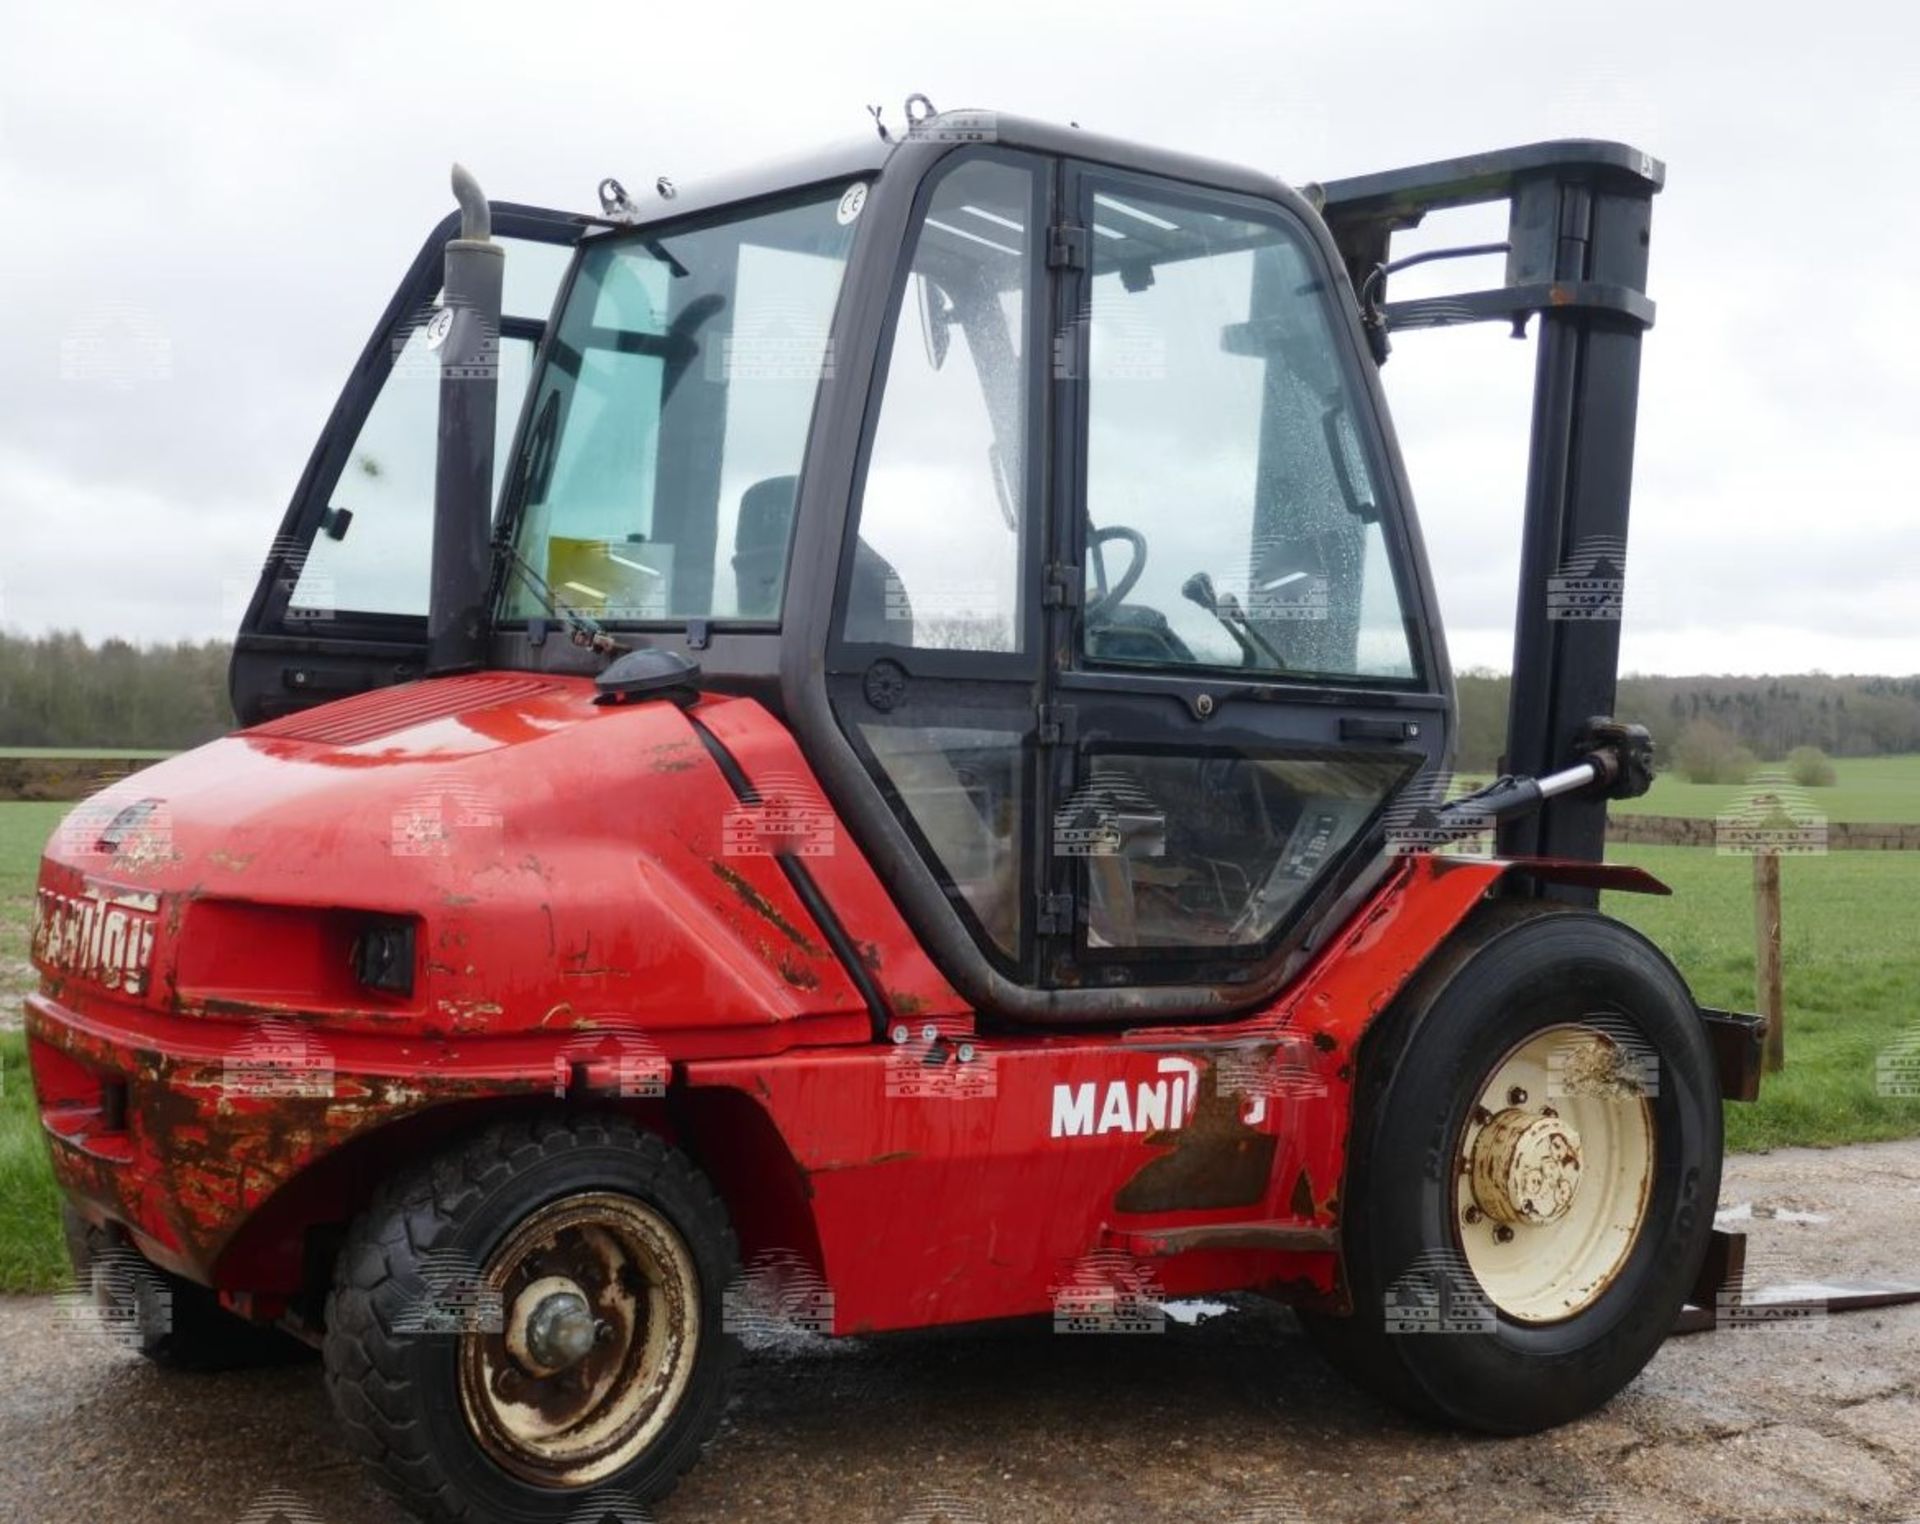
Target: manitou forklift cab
(873,735)
(1115,677)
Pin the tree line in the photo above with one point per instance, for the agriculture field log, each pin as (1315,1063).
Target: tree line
(62,690)
(1768,717)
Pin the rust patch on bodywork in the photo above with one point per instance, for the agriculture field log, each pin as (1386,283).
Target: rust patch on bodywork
(830,1166)
(1216,1160)
(763,907)
(798,974)
(1301,1203)
(1280,1237)
(675,756)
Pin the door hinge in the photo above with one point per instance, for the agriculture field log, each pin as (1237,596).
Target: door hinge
(1067,247)
(1055,917)
(1058,726)
(1062,589)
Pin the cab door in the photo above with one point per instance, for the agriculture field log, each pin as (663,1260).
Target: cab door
(934,662)
(1244,682)
(340,604)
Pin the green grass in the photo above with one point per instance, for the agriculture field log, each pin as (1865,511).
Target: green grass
(24,829)
(89,753)
(1852,975)
(32,1255)
(1866,788)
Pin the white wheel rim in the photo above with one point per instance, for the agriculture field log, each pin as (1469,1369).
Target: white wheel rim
(1554,1171)
(578,1425)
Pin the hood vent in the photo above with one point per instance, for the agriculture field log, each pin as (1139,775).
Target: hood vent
(369,716)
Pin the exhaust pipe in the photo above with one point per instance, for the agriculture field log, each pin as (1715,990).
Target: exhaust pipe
(466,331)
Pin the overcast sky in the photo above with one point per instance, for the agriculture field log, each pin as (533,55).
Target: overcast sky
(239,186)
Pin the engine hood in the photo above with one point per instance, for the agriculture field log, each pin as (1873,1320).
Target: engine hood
(564,864)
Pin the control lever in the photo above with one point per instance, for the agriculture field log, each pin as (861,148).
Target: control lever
(1254,649)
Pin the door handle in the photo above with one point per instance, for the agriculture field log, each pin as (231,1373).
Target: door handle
(1358,727)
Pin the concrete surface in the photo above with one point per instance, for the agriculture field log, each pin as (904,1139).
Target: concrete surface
(1228,1419)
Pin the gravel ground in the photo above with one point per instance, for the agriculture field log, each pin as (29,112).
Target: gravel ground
(1231,1418)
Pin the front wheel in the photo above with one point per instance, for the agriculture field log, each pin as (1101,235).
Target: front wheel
(531,1324)
(1536,1160)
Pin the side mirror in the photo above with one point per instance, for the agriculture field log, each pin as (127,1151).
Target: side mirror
(936,318)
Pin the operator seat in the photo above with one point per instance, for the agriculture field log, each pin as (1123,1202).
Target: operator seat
(760,557)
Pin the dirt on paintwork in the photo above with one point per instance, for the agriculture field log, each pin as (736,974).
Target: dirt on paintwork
(1226,1415)
(763,907)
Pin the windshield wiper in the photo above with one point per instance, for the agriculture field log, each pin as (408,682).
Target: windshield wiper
(585,631)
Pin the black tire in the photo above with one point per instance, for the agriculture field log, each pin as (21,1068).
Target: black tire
(176,1323)
(1515,970)
(399,1395)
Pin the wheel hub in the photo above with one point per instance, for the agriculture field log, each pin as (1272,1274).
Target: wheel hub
(1554,1174)
(1526,1168)
(552,1328)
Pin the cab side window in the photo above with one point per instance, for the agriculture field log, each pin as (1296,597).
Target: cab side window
(941,533)
(937,565)
(371,553)
(1231,510)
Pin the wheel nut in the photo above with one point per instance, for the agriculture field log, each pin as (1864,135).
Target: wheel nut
(1503,1234)
(1471,1215)
(1516,1096)
(561,1331)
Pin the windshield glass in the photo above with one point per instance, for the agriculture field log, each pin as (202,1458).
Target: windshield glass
(658,475)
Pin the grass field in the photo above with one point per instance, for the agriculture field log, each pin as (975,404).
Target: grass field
(89,753)
(1852,973)
(31,1256)
(1852,982)
(24,829)
(1866,788)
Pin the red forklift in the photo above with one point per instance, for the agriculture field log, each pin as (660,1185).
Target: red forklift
(871,739)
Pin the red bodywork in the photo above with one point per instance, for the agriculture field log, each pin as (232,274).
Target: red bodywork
(600,916)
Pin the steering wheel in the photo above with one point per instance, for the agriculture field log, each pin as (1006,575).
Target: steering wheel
(1096,538)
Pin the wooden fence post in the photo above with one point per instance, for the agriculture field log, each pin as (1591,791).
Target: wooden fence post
(1766,941)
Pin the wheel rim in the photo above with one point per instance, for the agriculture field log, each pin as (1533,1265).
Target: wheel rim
(1555,1169)
(601,1327)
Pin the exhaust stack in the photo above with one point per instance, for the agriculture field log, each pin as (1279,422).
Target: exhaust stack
(466,332)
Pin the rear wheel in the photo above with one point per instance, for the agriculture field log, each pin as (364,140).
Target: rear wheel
(531,1324)
(1536,1159)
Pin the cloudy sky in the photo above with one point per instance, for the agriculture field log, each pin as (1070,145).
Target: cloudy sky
(238,187)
